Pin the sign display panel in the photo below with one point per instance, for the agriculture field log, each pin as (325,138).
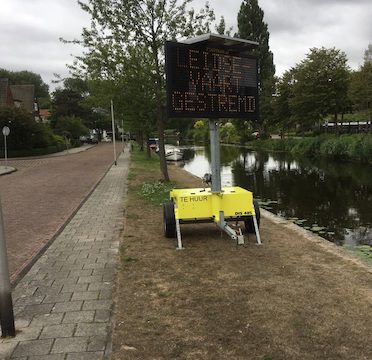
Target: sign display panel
(210,83)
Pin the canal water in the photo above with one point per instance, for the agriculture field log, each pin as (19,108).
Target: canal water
(330,198)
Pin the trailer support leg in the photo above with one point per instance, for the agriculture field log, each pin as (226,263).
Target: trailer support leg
(256,230)
(179,239)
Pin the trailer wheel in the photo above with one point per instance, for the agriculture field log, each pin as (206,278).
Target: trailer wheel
(249,225)
(169,220)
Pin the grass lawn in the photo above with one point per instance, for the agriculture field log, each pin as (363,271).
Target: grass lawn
(291,298)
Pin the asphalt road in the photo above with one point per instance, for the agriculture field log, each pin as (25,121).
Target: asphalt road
(40,197)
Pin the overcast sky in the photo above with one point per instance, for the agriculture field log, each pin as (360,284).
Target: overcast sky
(30,29)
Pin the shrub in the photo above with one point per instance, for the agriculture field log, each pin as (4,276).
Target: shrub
(25,132)
(352,147)
(71,127)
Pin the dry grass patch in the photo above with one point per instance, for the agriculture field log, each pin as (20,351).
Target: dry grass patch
(288,299)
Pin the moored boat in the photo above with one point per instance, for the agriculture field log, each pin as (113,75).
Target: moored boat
(173,153)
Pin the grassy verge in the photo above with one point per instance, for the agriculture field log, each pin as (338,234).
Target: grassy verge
(286,299)
(153,190)
(356,147)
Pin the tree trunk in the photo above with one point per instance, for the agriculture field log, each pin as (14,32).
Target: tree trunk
(148,150)
(160,126)
(140,140)
(159,114)
(336,125)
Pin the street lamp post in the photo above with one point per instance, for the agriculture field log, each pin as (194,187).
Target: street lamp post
(113,130)
(122,133)
(6,132)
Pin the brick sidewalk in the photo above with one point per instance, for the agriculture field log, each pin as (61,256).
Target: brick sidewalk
(63,305)
(42,195)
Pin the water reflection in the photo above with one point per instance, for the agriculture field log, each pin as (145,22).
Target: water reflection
(329,197)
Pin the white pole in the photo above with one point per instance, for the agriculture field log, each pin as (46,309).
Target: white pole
(122,133)
(6,152)
(113,130)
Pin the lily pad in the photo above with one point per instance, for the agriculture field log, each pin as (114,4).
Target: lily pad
(300,221)
(317,228)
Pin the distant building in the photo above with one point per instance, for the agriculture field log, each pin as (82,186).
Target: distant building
(6,98)
(44,115)
(17,95)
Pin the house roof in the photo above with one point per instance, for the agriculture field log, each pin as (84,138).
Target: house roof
(24,94)
(5,93)
(45,113)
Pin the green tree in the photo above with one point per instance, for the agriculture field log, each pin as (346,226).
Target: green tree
(221,27)
(251,26)
(71,100)
(71,127)
(320,86)
(368,54)
(228,133)
(67,102)
(200,131)
(284,93)
(361,85)
(118,26)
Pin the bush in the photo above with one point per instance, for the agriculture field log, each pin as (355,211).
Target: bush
(25,132)
(229,134)
(71,127)
(200,131)
(352,147)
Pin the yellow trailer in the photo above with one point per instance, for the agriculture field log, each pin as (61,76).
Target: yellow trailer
(197,205)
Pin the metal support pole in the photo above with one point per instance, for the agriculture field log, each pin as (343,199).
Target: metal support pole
(215,155)
(113,130)
(6,303)
(257,231)
(122,133)
(5,152)
(179,239)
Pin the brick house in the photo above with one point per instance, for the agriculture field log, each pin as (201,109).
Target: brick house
(44,115)
(17,95)
(6,98)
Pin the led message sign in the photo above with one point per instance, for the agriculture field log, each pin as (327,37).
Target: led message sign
(210,83)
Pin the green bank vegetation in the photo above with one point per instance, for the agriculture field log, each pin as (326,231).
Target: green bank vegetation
(357,147)
(155,191)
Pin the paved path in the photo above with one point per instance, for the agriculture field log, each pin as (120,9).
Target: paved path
(63,304)
(42,194)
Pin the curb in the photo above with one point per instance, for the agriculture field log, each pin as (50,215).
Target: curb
(7,172)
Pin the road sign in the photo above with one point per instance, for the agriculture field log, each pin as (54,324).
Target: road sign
(6,131)
(208,82)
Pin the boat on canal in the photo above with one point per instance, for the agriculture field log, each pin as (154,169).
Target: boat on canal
(173,153)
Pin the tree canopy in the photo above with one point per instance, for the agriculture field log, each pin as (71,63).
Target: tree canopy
(321,85)
(361,84)
(127,31)
(26,78)
(251,26)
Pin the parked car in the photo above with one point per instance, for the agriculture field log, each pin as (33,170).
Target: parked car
(153,144)
(92,140)
(259,135)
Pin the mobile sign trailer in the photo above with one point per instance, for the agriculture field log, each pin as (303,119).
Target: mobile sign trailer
(212,76)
